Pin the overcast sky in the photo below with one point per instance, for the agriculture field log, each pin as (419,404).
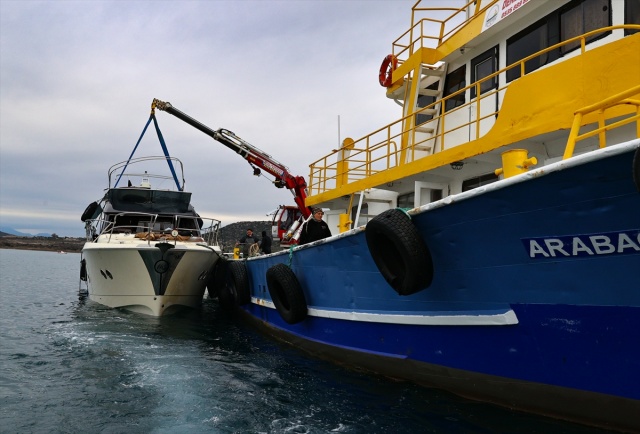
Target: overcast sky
(78,78)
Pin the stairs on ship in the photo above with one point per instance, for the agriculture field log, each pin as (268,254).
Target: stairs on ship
(431,85)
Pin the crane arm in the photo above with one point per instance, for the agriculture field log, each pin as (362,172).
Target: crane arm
(257,158)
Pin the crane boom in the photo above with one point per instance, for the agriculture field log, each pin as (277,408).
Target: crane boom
(257,158)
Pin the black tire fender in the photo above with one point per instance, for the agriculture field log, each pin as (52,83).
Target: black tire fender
(399,252)
(636,168)
(286,293)
(83,270)
(236,291)
(216,281)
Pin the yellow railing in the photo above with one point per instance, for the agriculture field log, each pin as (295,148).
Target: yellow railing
(430,32)
(378,151)
(599,109)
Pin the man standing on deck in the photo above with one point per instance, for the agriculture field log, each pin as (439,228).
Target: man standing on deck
(265,243)
(315,228)
(247,241)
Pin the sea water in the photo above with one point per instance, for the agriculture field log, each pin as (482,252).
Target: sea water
(68,365)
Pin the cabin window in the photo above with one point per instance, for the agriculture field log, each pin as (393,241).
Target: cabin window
(143,225)
(583,17)
(631,15)
(531,40)
(483,66)
(455,81)
(406,200)
(479,181)
(576,18)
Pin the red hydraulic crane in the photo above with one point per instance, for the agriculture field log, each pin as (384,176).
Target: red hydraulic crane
(258,159)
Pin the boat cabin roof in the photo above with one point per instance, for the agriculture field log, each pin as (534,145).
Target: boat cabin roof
(134,199)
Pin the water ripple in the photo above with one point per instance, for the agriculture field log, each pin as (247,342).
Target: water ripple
(68,365)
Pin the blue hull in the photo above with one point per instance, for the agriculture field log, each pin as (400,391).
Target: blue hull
(534,303)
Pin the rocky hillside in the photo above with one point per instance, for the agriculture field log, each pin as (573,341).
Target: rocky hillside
(227,238)
(234,231)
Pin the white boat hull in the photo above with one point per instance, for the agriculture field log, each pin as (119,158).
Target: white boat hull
(150,278)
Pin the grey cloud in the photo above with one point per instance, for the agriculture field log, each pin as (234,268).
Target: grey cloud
(77,80)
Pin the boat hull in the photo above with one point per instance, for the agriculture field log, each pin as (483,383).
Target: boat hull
(548,399)
(150,278)
(534,302)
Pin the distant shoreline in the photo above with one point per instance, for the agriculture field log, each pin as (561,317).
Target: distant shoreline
(227,237)
(67,245)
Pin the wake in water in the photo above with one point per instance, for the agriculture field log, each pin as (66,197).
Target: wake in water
(70,365)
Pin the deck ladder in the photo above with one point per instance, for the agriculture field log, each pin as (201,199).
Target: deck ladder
(430,127)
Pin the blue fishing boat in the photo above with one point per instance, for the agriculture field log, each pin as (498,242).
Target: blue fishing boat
(488,241)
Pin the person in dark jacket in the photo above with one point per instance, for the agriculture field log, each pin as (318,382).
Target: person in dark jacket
(265,243)
(315,228)
(247,241)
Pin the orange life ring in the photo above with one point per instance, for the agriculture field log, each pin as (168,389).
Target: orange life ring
(389,64)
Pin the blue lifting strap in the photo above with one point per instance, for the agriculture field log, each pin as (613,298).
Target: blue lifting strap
(164,149)
(166,152)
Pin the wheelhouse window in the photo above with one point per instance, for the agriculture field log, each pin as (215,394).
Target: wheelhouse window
(631,15)
(531,40)
(581,18)
(574,19)
(455,81)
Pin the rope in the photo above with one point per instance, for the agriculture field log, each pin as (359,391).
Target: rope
(166,152)
(404,210)
(134,150)
(290,255)
(254,249)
